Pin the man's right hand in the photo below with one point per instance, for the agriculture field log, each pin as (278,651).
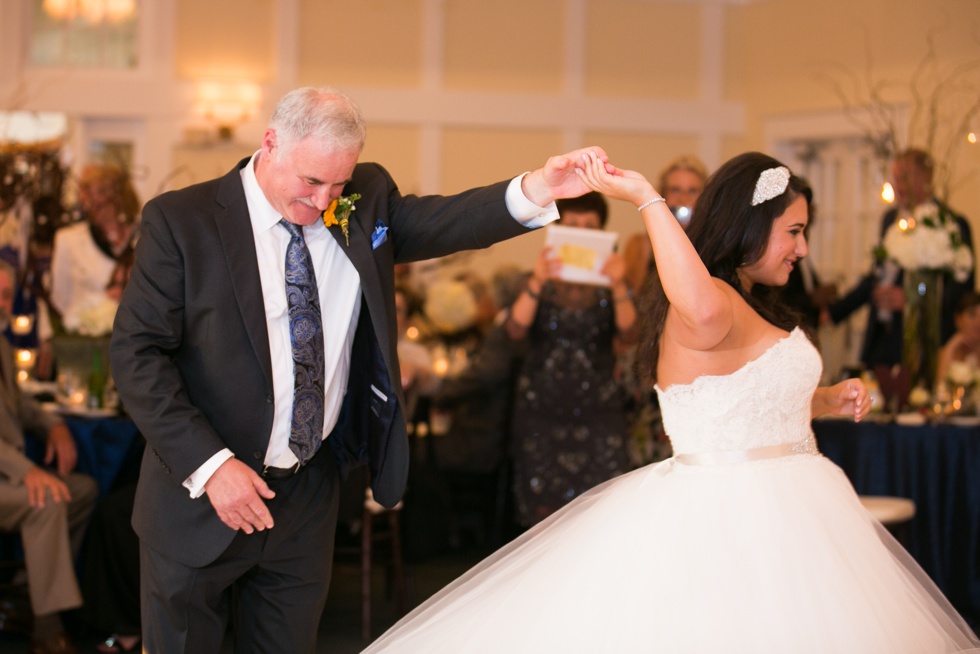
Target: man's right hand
(38,482)
(236,493)
(888,297)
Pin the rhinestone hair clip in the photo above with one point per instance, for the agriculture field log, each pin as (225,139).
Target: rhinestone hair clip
(772,183)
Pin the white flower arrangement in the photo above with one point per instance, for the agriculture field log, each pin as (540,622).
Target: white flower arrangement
(450,306)
(928,238)
(962,373)
(919,397)
(94,319)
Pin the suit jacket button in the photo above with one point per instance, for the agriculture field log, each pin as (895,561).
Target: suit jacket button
(256,455)
(268,399)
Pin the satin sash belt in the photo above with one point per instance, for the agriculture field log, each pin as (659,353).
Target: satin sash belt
(806,446)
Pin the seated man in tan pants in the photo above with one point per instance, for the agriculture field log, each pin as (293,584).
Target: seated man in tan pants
(49,508)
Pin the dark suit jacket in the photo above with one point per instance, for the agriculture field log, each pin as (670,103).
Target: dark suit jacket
(190,348)
(883,340)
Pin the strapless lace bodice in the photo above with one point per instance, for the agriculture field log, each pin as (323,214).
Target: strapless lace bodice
(765,402)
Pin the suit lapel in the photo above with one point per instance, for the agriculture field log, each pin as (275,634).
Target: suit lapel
(235,231)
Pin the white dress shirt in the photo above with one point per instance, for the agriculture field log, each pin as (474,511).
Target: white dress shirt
(340,305)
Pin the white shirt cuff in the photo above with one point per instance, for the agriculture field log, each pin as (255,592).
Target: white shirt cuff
(526,212)
(195,483)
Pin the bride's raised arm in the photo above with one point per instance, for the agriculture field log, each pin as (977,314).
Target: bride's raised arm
(700,304)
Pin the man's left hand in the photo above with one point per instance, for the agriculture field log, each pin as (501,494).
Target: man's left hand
(61,447)
(557,178)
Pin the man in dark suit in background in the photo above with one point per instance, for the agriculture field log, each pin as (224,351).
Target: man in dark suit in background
(203,355)
(911,172)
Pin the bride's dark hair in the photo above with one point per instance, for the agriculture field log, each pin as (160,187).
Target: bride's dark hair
(727,233)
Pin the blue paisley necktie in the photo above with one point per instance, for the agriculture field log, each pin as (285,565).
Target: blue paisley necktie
(306,338)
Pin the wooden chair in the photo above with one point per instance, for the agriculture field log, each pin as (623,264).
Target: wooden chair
(376,525)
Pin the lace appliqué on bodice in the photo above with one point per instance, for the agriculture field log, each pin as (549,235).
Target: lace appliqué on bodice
(765,402)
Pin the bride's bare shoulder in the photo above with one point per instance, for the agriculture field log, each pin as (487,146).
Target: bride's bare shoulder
(747,337)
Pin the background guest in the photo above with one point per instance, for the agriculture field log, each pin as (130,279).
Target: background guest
(111,573)
(569,424)
(50,508)
(681,181)
(91,259)
(881,289)
(473,456)
(964,344)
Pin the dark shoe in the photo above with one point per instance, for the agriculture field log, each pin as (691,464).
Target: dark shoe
(60,644)
(16,618)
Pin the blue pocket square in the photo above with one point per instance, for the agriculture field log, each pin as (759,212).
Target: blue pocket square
(379,235)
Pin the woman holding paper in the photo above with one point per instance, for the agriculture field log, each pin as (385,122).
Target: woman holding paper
(569,422)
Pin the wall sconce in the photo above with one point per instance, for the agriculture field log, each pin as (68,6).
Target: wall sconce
(228,104)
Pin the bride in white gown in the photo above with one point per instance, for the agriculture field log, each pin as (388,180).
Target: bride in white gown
(747,540)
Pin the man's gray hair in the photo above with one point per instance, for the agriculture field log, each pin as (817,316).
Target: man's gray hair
(321,112)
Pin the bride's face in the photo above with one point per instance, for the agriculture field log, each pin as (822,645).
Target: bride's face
(787,244)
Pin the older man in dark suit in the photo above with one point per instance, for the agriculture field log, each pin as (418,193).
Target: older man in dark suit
(249,333)
(881,289)
(49,507)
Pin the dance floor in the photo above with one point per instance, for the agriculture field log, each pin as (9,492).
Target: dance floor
(340,628)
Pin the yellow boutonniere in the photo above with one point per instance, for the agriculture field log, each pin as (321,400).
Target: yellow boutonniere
(338,213)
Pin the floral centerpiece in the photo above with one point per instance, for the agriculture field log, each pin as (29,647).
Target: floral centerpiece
(95,319)
(82,352)
(927,238)
(960,386)
(925,241)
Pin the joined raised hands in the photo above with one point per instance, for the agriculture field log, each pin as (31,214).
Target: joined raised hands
(559,177)
(614,182)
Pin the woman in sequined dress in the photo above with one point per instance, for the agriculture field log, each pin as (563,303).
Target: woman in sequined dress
(569,423)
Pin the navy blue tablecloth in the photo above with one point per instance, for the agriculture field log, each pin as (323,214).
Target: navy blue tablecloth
(936,466)
(109,449)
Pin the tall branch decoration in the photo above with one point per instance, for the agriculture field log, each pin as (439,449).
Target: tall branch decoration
(944,105)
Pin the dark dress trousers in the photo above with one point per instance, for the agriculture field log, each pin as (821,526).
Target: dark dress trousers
(190,347)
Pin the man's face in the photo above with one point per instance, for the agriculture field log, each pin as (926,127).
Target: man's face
(912,185)
(302,180)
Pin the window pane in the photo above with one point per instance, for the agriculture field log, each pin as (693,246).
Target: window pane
(85,33)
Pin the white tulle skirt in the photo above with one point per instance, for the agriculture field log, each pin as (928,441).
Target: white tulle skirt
(767,556)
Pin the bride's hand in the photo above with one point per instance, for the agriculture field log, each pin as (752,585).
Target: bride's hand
(850,397)
(619,184)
